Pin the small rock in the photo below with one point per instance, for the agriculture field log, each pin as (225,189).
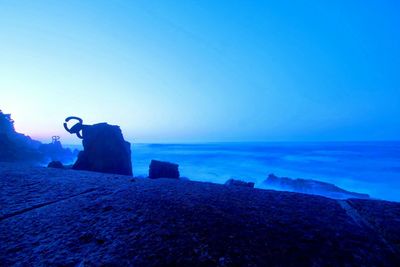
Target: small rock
(56,164)
(100,241)
(162,169)
(234,182)
(108,208)
(86,238)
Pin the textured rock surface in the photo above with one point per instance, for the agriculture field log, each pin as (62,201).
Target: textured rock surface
(308,186)
(162,169)
(105,150)
(384,216)
(65,217)
(235,182)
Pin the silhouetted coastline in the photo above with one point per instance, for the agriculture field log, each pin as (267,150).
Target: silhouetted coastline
(17,147)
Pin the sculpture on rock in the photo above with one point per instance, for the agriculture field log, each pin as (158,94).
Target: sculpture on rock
(77,128)
(104,148)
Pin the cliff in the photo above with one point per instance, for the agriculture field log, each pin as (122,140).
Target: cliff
(17,147)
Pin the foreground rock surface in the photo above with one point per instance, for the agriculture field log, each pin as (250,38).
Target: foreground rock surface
(309,186)
(70,218)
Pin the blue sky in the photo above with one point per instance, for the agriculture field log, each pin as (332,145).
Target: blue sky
(200,71)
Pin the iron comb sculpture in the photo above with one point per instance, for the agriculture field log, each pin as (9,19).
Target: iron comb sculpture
(77,128)
(55,139)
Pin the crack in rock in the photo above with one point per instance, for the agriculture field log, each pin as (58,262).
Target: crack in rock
(9,215)
(353,213)
(361,221)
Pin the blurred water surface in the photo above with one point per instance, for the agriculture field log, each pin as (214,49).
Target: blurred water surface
(367,167)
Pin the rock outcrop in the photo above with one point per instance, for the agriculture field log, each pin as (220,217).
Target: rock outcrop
(309,186)
(14,146)
(17,147)
(105,150)
(234,182)
(163,169)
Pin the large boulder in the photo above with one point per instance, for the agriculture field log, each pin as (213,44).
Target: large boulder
(309,186)
(162,169)
(105,150)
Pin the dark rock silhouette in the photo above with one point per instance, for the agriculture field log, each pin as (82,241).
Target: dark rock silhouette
(104,148)
(162,169)
(234,182)
(16,146)
(6,123)
(309,186)
(56,165)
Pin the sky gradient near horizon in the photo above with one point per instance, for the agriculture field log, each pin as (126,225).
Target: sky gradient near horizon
(200,71)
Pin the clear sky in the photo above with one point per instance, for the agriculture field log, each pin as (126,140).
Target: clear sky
(199,71)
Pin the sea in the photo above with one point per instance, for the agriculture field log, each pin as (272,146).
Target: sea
(364,167)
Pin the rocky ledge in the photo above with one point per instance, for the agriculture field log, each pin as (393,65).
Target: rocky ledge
(309,186)
(78,218)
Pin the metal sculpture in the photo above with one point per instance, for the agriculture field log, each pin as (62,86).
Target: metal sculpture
(77,128)
(55,139)
(104,147)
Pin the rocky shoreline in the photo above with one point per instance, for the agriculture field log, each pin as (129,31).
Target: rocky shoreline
(309,186)
(79,218)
